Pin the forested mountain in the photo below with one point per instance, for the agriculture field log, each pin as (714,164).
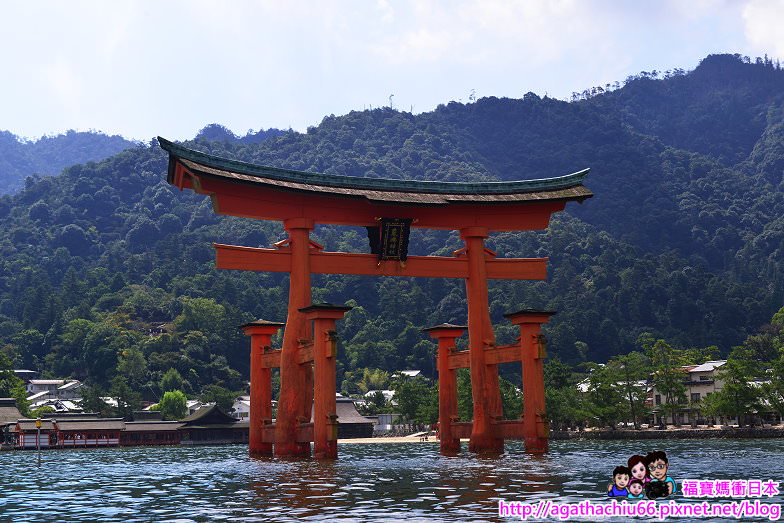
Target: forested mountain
(50,154)
(684,238)
(218,133)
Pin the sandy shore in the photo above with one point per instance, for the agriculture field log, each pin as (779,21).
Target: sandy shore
(702,432)
(384,439)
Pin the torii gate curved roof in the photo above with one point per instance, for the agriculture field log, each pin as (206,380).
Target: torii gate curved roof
(257,191)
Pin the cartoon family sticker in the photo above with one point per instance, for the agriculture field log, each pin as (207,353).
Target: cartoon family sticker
(643,477)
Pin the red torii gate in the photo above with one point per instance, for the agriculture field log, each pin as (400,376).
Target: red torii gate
(300,200)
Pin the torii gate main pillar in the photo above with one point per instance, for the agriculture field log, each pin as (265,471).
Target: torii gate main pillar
(296,379)
(485,388)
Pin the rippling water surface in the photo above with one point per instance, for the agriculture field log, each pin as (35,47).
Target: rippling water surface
(369,482)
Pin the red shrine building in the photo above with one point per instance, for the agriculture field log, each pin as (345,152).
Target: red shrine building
(388,209)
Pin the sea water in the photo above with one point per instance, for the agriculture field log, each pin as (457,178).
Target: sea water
(369,482)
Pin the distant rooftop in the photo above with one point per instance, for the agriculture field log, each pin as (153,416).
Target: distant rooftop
(38,395)
(708,366)
(8,411)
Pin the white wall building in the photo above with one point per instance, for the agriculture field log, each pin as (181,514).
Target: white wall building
(700,380)
(39,392)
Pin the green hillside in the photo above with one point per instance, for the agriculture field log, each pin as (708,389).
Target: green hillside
(683,239)
(50,154)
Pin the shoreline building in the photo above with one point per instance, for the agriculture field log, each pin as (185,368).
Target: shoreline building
(700,381)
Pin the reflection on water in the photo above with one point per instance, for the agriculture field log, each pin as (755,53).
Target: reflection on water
(370,482)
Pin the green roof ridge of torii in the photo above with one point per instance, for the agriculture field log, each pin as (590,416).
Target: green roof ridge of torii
(376,184)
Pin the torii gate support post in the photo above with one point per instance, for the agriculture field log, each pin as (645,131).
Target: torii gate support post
(260,332)
(325,345)
(295,400)
(532,345)
(447,385)
(484,378)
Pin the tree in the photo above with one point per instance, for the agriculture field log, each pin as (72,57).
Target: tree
(41,412)
(221,396)
(373,379)
(511,399)
(173,405)
(427,410)
(98,357)
(40,211)
(133,366)
(557,373)
(8,380)
(31,347)
(668,375)
(127,399)
(92,401)
(171,380)
(565,407)
(773,389)
(465,398)
(606,401)
(738,397)
(143,231)
(375,404)
(200,314)
(11,386)
(413,397)
(73,238)
(632,370)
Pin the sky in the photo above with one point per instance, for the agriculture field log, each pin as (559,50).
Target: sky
(142,68)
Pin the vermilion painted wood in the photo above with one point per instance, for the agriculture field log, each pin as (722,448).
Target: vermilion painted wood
(325,437)
(534,420)
(303,433)
(510,429)
(447,388)
(271,359)
(494,356)
(305,354)
(483,388)
(260,388)
(462,429)
(294,402)
(503,429)
(276,260)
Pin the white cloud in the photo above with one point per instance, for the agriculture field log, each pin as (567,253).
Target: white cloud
(763,26)
(143,68)
(63,84)
(387,12)
(496,32)
(422,45)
